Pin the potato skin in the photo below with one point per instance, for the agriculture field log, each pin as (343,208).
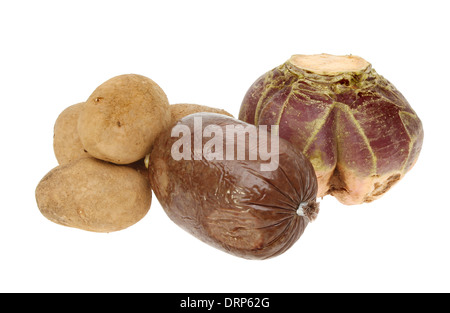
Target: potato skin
(94,195)
(181,110)
(122,118)
(231,204)
(66,141)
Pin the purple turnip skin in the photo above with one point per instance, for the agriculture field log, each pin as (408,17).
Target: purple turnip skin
(356,128)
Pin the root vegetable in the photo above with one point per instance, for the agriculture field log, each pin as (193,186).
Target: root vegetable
(66,142)
(94,195)
(357,129)
(122,118)
(181,110)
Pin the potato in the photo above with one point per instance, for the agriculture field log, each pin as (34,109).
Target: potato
(94,195)
(66,142)
(122,117)
(181,110)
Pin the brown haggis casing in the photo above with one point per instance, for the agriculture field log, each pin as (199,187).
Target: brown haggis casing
(356,128)
(231,204)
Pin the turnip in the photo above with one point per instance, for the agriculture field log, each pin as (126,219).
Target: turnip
(356,128)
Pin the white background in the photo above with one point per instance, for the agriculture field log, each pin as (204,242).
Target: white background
(55,53)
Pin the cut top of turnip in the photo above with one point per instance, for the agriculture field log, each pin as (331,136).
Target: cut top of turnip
(327,64)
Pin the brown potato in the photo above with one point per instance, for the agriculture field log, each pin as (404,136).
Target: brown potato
(94,195)
(122,118)
(66,142)
(181,110)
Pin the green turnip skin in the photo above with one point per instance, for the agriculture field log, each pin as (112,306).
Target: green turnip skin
(356,128)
